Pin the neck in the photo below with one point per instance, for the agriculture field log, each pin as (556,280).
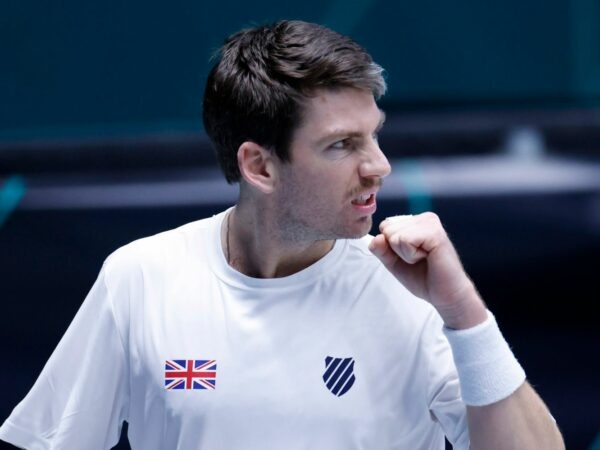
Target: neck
(255,246)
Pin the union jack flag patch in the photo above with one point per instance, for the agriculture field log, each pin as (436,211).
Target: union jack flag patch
(190,374)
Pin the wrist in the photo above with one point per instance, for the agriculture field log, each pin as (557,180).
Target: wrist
(467,312)
(487,368)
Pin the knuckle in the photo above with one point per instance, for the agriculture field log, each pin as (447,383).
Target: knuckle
(431,216)
(396,239)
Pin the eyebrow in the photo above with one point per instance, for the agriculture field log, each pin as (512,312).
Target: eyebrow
(350,134)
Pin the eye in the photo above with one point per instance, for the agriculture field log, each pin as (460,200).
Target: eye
(341,144)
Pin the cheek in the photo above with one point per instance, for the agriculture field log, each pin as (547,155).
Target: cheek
(327,189)
(323,183)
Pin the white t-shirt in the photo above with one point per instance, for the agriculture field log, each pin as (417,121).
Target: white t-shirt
(195,355)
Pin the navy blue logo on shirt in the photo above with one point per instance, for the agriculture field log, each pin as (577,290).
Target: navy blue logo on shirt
(339,375)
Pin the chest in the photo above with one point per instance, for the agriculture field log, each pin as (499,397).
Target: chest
(278,365)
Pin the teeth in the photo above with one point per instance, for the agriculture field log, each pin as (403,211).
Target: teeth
(362,199)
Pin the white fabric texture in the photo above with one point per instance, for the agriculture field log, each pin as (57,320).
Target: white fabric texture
(487,368)
(173,296)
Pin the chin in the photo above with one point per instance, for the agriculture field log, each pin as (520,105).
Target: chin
(357,236)
(359,229)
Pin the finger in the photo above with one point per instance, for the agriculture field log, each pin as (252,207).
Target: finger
(414,237)
(380,248)
(389,253)
(402,270)
(401,219)
(406,238)
(409,251)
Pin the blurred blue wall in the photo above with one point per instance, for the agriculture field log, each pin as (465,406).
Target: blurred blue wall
(75,68)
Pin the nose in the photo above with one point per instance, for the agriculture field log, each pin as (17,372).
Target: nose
(375,163)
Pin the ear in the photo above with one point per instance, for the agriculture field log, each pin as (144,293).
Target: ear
(257,166)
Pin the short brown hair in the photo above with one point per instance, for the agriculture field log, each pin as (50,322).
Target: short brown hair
(255,90)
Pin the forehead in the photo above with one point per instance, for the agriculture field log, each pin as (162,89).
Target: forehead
(338,111)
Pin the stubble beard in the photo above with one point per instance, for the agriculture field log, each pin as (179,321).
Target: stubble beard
(297,227)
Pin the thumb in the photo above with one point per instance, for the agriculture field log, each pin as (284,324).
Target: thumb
(377,245)
(381,249)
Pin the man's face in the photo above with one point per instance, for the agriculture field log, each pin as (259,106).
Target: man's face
(328,189)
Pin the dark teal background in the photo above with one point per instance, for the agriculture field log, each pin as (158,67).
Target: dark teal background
(95,68)
(100,92)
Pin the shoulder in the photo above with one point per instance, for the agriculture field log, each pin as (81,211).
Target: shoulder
(156,254)
(360,247)
(359,255)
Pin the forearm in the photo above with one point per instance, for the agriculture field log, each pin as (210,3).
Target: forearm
(520,421)
(503,410)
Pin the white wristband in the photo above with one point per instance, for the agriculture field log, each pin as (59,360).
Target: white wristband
(487,368)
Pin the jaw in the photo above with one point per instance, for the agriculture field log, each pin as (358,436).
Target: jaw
(354,227)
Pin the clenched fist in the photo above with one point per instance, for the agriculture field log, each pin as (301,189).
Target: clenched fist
(418,252)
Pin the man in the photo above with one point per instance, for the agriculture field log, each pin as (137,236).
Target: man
(278,323)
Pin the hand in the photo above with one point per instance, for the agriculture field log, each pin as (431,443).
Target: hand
(418,252)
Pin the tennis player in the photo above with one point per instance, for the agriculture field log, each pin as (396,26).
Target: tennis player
(280,323)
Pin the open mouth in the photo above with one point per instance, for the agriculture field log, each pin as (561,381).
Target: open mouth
(364,199)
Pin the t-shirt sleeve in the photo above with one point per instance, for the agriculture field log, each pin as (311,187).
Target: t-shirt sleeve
(445,401)
(80,399)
